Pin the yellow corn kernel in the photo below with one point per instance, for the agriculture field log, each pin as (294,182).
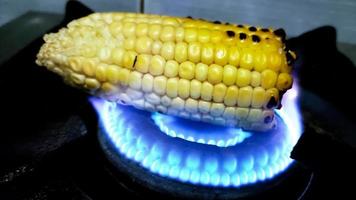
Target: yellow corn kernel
(245,96)
(117,55)
(135,80)
(180,53)
(89,67)
(207,53)
(201,71)
(217,109)
(172,87)
(231,96)
(183,88)
(216,36)
(247,57)
(147,83)
(206,91)
(104,54)
(190,35)
(141,29)
(179,34)
(230,74)
(254,115)
(204,106)
(284,81)
(229,112)
(221,54)
(129,29)
(154,31)
(260,60)
(156,47)
(100,72)
(124,76)
(241,113)
(203,35)
(167,50)
(194,49)
(234,56)
(215,74)
(91,84)
(76,65)
(167,34)
(144,45)
(159,85)
(243,77)
(129,59)
(258,97)
(191,105)
(186,70)
(157,65)
(255,79)
(178,103)
(268,78)
(219,92)
(195,88)
(275,61)
(115,28)
(143,63)
(112,73)
(171,68)
(130,43)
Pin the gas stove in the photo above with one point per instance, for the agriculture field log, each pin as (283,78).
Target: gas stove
(56,145)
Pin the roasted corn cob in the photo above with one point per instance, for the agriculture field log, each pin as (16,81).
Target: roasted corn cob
(207,71)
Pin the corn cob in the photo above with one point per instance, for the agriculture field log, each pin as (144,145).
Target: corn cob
(207,71)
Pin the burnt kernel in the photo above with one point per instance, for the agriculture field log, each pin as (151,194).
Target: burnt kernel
(134,62)
(217,22)
(242,36)
(227,23)
(280,33)
(240,25)
(189,17)
(230,33)
(252,28)
(255,38)
(268,119)
(265,30)
(272,102)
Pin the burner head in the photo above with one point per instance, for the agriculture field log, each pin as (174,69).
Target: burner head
(148,140)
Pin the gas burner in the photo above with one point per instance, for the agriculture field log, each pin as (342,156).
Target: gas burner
(160,144)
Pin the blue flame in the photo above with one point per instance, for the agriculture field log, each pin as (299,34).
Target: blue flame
(253,157)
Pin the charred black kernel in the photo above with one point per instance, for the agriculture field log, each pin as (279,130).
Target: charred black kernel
(280,33)
(272,102)
(240,25)
(265,30)
(189,17)
(252,28)
(134,62)
(290,58)
(227,23)
(230,33)
(256,39)
(268,119)
(217,22)
(242,36)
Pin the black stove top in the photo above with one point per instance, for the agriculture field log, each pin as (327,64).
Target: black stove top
(49,147)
